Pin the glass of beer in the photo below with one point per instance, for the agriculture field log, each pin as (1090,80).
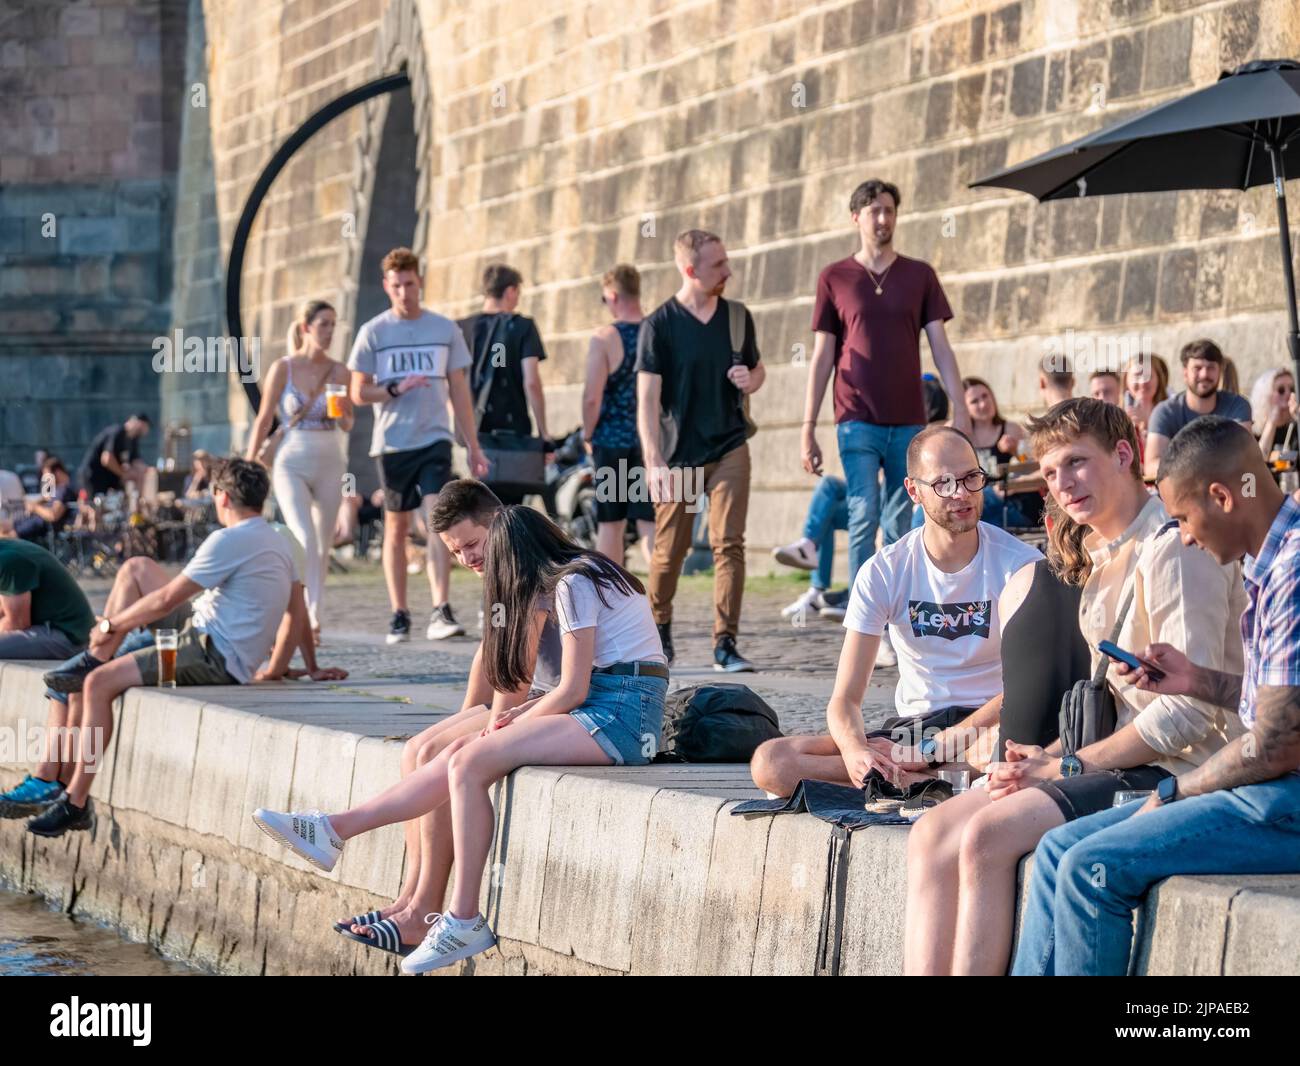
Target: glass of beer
(334,395)
(165,641)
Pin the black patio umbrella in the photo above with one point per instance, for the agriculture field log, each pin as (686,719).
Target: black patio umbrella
(1240,132)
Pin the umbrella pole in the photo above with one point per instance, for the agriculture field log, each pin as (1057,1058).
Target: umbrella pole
(1284,231)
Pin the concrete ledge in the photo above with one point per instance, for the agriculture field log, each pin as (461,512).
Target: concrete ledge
(590,871)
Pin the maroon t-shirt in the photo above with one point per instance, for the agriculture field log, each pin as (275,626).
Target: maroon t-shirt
(878,338)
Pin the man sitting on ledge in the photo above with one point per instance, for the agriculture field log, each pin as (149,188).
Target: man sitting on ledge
(244,573)
(938,587)
(1236,813)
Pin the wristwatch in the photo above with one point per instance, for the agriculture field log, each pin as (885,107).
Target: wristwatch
(927,749)
(392,388)
(1071,766)
(1167,790)
(105,627)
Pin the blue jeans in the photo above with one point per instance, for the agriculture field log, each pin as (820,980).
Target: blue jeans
(624,714)
(864,449)
(827,512)
(1090,875)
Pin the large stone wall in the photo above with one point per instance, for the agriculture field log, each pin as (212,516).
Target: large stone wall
(565,136)
(87,120)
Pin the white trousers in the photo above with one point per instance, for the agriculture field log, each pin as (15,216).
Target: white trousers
(308,482)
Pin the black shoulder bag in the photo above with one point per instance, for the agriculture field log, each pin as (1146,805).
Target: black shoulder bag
(518,462)
(1088,709)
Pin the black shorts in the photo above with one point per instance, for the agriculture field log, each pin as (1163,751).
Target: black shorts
(1078,797)
(915,728)
(406,477)
(626,480)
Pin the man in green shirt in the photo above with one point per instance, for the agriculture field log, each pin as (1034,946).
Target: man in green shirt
(43,612)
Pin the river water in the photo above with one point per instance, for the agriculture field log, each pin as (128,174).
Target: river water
(38,940)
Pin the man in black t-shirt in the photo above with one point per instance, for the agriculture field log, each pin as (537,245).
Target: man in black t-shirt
(113,455)
(691,419)
(516,378)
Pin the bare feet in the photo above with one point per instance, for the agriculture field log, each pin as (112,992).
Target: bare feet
(412,924)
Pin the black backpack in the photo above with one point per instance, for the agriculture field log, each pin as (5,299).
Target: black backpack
(715,723)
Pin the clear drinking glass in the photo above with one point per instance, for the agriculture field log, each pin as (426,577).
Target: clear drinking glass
(1129,795)
(165,640)
(334,400)
(959,779)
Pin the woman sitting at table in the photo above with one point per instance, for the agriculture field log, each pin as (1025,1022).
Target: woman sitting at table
(998,441)
(1273,402)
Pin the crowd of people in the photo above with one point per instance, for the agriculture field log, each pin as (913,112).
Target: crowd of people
(1166,533)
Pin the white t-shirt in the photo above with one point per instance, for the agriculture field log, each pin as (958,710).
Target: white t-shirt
(625,630)
(391,349)
(945,627)
(247,570)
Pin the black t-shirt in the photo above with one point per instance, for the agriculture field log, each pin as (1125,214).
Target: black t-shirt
(114,439)
(507,404)
(693,358)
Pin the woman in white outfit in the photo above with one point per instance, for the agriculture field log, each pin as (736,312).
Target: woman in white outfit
(310,462)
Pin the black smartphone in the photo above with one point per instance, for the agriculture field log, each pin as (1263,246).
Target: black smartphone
(1130,660)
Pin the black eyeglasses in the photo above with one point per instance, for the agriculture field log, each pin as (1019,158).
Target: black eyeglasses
(945,485)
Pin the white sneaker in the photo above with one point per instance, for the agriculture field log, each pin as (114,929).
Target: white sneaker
(886,656)
(448,941)
(802,606)
(443,624)
(305,833)
(802,554)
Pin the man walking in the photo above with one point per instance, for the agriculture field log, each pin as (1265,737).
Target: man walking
(507,352)
(869,313)
(692,379)
(408,362)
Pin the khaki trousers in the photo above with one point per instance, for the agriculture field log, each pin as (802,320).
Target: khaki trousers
(726,483)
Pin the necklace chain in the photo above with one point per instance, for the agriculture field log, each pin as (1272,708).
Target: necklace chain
(880,281)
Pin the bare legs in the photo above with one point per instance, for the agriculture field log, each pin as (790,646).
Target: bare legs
(609,539)
(962,859)
(779,765)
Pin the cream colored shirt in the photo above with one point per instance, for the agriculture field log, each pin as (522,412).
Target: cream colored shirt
(1182,597)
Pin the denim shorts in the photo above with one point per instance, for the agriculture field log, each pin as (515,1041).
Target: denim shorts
(624,715)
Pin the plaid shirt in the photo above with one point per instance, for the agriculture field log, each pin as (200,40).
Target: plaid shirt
(1270,628)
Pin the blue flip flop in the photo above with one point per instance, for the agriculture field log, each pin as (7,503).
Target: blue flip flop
(369,918)
(386,938)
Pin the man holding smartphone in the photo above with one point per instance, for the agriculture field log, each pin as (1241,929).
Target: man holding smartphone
(1239,811)
(409,363)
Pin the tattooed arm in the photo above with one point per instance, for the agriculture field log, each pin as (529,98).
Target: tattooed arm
(1269,750)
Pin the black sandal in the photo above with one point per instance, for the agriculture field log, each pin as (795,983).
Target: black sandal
(921,797)
(369,918)
(387,938)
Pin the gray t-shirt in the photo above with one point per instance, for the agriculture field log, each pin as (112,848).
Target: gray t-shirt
(247,570)
(390,348)
(546,667)
(1172,414)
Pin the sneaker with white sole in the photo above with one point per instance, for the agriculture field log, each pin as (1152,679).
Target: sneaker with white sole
(802,555)
(885,655)
(443,624)
(448,941)
(833,605)
(305,833)
(399,629)
(801,607)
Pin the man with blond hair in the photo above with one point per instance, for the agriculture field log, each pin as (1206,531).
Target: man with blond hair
(695,366)
(408,363)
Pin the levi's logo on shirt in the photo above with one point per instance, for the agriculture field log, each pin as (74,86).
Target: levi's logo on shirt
(950,620)
(405,360)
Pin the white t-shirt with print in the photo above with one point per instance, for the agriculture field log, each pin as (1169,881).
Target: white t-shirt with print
(625,630)
(247,570)
(945,627)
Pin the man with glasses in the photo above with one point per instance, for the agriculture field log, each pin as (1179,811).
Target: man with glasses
(938,588)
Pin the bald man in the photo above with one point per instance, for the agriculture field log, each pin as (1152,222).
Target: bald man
(938,587)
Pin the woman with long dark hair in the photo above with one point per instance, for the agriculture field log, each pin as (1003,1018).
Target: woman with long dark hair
(606,710)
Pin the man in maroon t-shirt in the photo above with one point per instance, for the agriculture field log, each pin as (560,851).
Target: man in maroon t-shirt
(867,319)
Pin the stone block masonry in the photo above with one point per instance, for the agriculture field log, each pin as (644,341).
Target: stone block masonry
(588,869)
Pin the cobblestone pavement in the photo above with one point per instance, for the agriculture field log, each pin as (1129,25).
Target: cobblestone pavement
(795,664)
